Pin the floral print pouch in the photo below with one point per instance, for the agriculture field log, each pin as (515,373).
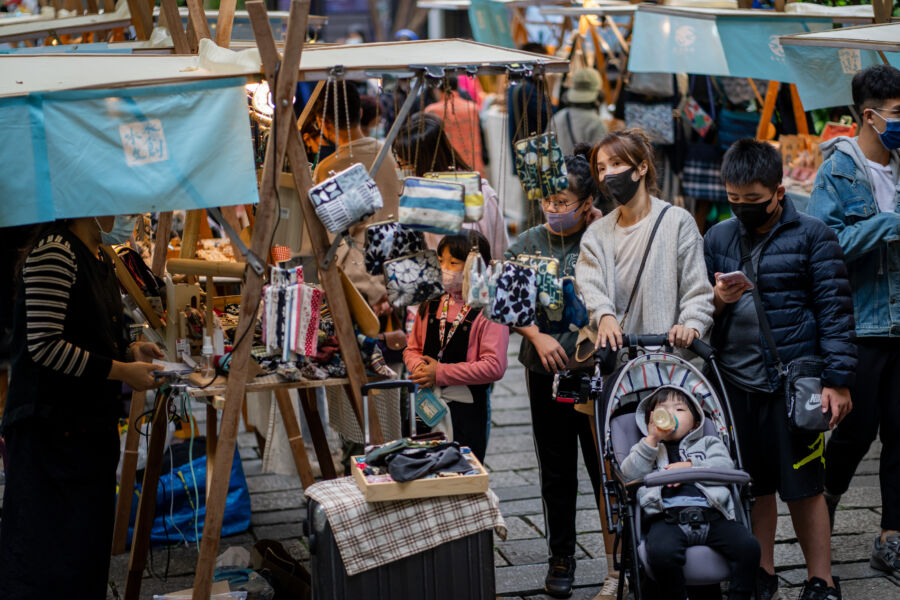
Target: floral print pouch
(413,279)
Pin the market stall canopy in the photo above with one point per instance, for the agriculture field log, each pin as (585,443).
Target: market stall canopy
(40,28)
(707,41)
(824,63)
(90,135)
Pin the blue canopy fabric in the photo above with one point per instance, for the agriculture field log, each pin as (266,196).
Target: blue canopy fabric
(84,153)
(708,42)
(490,23)
(95,48)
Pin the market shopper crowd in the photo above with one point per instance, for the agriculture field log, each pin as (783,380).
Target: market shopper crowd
(825,283)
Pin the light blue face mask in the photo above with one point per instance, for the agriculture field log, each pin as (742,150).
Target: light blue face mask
(121,231)
(890,137)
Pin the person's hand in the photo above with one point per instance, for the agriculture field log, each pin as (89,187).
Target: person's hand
(382,307)
(608,331)
(654,435)
(681,336)
(552,355)
(146,352)
(137,375)
(425,375)
(594,214)
(728,293)
(838,401)
(679,465)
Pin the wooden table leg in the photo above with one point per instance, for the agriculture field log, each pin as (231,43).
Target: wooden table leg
(212,439)
(140,544)
(295,438)
(317,432)
(129,469)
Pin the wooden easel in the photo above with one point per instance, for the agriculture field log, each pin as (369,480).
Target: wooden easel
(285,140)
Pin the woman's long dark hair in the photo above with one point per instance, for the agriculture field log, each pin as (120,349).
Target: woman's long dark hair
(422,143)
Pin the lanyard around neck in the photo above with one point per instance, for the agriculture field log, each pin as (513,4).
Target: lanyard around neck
(444,342)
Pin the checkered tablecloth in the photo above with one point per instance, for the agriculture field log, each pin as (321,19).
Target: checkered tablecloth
(372,534)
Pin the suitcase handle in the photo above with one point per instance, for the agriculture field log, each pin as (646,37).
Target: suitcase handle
(388,385)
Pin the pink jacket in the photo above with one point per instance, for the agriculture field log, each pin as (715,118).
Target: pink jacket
(485,360)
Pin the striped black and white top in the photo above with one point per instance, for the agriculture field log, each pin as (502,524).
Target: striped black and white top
(48,275)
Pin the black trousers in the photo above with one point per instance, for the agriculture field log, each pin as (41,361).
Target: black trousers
(667,544)
(876,401)
(558,429)
(58,512)
(470,425)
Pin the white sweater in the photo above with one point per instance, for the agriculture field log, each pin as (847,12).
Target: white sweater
(674,286)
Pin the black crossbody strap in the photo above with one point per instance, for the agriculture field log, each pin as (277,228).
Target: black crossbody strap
(747,261)
(637,280)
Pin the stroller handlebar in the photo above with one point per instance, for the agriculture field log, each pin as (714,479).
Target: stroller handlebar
(696,474)
(698,346)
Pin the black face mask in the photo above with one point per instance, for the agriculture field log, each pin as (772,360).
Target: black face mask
(753,216)
(621,187)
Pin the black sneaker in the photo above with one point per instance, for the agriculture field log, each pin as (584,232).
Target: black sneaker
(886,556)
(817,589)
(766,586)
(831,501)
(560,576)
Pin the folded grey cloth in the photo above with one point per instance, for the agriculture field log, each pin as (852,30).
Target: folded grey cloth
(415,463)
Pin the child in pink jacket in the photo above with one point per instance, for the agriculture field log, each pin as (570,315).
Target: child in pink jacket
(455,350)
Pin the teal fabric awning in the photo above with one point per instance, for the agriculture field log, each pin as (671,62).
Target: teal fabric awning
(823,64)
(736,43)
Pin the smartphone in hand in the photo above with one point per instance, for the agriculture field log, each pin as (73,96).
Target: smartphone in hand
(735,278)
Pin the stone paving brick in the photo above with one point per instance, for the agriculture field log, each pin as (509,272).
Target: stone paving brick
(592,543)
(507,400)
(863,497)
(277,500)
(282,531)
(867,467)
(277,516)
(518,416)
(271,482)
(246,439)
(499,561)
(587,520)
(586,593)
(847,572)
(504,430)
(511,461)
(502,444)
(519,492)
(537,520)
(248,453)
(502,479)
(530,475)
(528,580)
(882,587)
(525,552)
(252,467)
(856,521)
(519,529)
(515,508)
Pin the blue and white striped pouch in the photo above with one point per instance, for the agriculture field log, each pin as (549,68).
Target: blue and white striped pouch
(432,205)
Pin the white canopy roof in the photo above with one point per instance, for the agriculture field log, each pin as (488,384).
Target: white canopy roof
(24,74)
(884,37)
(31,29)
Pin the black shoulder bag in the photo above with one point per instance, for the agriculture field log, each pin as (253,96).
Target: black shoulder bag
(584,353)
(802,376)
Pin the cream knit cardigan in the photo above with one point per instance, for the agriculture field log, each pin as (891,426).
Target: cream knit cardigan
(674,288)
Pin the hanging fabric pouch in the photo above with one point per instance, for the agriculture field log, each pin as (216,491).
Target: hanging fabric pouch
(655,119)
(515,297)
(346,198)
(549,290)
(429,407)
(476,291)
(701,177)
(413,279)
(698,118)
(474,199)
(571,316)
(433,206)
(540,166)
(389,240)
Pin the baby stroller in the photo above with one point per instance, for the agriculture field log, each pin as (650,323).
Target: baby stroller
(645,370)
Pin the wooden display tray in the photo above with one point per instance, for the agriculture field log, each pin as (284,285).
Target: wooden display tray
(421,488)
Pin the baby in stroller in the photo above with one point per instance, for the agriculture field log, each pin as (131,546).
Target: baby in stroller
(683,515)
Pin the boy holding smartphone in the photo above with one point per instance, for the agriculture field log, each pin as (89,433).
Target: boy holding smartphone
(801,279)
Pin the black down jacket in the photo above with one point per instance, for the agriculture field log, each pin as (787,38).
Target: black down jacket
(803,285)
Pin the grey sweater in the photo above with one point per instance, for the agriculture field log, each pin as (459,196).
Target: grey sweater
(674,288)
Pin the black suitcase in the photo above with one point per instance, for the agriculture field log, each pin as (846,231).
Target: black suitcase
(459,570)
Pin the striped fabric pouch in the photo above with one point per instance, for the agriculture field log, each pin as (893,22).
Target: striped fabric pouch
(471,180)
(432,205)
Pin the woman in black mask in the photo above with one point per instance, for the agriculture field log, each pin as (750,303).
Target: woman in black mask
(641,267)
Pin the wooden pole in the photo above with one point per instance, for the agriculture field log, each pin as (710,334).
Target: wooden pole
(765,120)
(129,468)
(140,543)
(141,18)
(225,22)
(295,438)
(265,221)
(799,113)
(161,243)
(320,443)
(169,9)
(198,20)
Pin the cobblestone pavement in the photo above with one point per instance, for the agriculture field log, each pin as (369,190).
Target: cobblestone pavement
(279,509)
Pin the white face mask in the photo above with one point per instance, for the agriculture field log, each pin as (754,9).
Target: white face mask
(452,282)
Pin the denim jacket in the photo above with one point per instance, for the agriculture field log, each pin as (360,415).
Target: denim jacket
(844,199)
